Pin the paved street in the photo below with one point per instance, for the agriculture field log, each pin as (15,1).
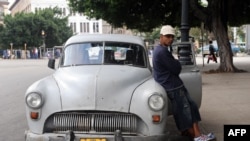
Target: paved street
(16,76)
(226,97)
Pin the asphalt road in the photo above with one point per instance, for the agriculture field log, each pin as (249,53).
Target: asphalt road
(226,96)
(16,76)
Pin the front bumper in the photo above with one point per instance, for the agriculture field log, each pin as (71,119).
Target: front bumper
(70,136)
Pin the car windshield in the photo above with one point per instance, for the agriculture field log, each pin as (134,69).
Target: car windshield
(106,53)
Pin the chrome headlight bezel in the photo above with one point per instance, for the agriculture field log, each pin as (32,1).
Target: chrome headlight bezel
(34,100)
(156,102)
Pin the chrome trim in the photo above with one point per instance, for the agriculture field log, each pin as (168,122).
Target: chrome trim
(105,123)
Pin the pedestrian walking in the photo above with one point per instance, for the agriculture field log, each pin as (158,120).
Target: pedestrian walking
(166,70)
(211,53)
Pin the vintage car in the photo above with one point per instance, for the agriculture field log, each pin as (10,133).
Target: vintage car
(98,93)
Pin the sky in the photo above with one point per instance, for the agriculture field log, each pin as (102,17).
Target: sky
(11,2)
(204,1)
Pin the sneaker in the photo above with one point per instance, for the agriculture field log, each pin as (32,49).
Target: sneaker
(208,137)
(201,138)
(211,136)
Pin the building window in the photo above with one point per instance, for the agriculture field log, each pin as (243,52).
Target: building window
(73,27)
(72,13)
(84,27)
(64,12)
(1,13)
(81,26)
(96,27)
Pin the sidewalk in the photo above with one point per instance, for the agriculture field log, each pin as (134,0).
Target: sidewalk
(226,97)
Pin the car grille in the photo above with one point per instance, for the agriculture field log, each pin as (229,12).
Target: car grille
(92,123)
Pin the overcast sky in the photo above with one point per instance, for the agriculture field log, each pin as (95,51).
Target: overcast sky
(10,2)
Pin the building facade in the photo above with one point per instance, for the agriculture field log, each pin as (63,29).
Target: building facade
(77,21)
(3,9)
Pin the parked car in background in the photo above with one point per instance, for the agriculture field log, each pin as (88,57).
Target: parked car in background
(102,89)
(205,49)
(241,45)
(6,54)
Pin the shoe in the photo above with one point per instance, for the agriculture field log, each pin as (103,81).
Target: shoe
(211,136)
(208,137)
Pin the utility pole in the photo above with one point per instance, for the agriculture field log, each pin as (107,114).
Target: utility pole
(248,39)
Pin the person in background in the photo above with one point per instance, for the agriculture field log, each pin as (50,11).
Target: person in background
(211,53)
(166,70)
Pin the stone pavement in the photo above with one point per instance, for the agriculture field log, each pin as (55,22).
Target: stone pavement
(226,98)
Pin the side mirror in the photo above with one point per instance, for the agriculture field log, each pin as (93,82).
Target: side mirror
(51,63)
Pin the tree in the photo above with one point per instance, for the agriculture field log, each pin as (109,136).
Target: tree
(217,16)
(145,15)
(27,27)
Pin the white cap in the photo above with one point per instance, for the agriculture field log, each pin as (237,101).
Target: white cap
(167,30)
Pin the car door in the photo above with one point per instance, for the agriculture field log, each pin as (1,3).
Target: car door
(190,74)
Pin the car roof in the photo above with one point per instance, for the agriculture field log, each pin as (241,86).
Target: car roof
(105,37)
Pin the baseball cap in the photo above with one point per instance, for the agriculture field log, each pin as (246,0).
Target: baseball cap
(167,30)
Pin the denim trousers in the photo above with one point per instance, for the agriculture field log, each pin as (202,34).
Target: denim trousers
(185,110)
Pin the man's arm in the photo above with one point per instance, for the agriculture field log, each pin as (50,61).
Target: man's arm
(171,63)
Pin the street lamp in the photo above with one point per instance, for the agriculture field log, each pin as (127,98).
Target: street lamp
(25,50)
(184,21)
(11,48)
(185,45)
(44,46)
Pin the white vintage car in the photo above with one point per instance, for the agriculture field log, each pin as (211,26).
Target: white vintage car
(102,90)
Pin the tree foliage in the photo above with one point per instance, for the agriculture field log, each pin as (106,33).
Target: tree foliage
(27,27)
(145,15)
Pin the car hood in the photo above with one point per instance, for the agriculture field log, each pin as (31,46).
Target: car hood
(107,88)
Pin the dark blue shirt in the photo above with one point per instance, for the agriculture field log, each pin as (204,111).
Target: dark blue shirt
(166,68)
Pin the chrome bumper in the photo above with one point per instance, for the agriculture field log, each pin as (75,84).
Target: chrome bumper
(70,136)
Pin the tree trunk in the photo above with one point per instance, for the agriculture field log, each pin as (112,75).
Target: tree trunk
(225,53)
(219,29)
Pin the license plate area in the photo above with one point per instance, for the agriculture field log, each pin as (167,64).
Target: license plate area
(93,139)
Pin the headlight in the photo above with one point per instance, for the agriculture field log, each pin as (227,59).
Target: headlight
(34,100)
(156,102)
